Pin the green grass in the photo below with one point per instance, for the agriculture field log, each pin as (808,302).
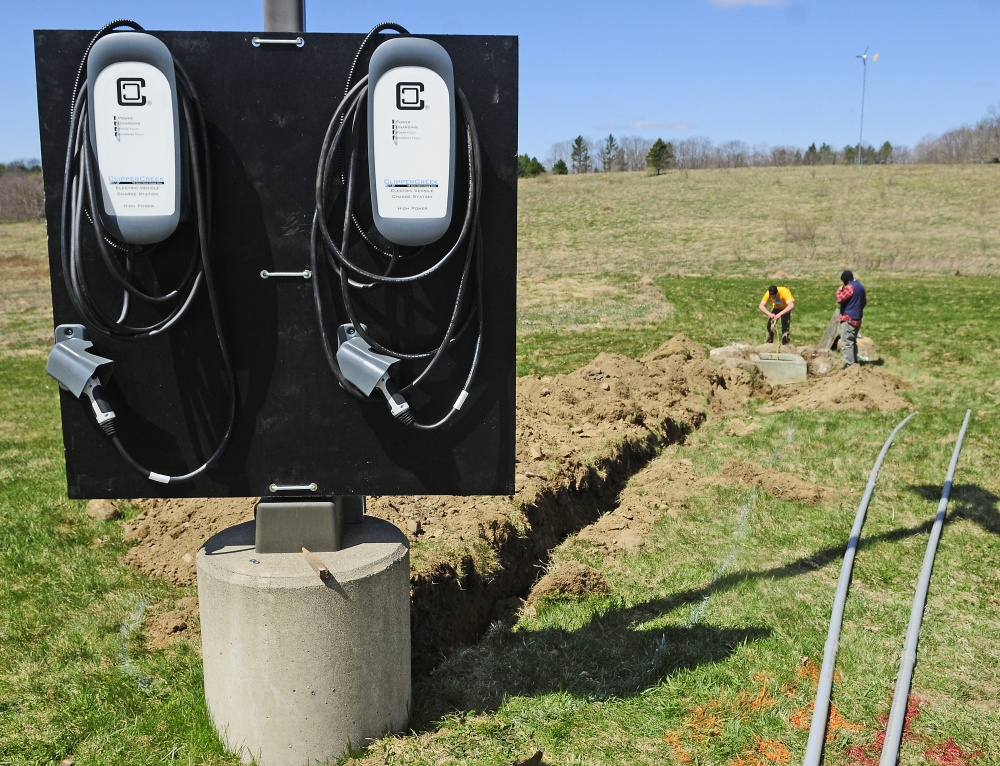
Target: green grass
(25,303)
(76,677)
(720,605)
(713,602)
(593,248)
(716,607)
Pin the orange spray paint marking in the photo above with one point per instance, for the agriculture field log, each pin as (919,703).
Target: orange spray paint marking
(766,753)
(801,719)
(673,738)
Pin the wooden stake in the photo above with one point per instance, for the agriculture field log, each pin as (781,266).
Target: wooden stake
(318,566)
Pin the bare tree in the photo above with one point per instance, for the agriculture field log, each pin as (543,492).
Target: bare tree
(760,155)
(634,150)
(965,144)
(22,195)
(785,156)
(560,151)
(902,155)
(693,153)
(733,154)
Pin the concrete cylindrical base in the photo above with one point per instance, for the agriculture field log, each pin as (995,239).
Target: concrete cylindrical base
(298,669)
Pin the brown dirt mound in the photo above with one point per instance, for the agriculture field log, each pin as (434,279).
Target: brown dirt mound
(565,425)
(165,626)
(783,486)
(855,388)
(170,532)
(658,490)
(737,427)
(570,579)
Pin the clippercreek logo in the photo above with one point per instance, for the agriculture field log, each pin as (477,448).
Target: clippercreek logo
(134,180)
(130,91)
(408,95)
(409,182)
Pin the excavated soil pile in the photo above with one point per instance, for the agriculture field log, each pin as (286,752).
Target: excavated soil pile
(580,437)
(658,490)
(572,579)
(165,626)
(783,486)
(855,388)
(737,427)
(170,532)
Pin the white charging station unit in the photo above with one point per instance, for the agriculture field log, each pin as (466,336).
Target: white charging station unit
(411,140)
(135,135)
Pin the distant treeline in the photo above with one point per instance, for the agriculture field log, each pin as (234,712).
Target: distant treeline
(978,143)
(22,197)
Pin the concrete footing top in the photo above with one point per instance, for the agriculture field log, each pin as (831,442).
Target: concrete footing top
(779,369)
(299,669)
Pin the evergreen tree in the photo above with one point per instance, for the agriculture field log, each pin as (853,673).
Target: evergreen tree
(608,152)
(660,156)
(811,156)
(559,168)
(580,156)
(884,153)
(528,167)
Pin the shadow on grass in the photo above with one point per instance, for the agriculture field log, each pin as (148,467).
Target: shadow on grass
(610,657)
(967,501)
(607,657)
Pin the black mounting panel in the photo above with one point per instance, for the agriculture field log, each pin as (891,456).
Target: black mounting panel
(267,110)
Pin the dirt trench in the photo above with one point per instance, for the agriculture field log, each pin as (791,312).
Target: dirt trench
(453,602)
(581,437)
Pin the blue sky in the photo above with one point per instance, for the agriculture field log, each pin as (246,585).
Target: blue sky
(774,71)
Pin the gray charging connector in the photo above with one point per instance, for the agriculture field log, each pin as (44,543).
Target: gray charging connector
(411,140)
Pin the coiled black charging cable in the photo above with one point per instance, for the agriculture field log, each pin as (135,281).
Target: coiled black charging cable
(347,122)
(79,201)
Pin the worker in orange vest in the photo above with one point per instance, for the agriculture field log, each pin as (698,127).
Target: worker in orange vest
(781,304)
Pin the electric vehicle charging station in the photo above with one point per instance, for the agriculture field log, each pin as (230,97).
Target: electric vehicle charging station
(267,108)
(296,433)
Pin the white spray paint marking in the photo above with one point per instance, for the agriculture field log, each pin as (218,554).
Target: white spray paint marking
(130,626)
(789,436)
(739,534)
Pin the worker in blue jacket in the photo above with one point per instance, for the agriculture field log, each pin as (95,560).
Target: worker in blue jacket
(852,300)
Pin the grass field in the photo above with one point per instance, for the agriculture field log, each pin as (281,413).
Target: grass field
(705,650)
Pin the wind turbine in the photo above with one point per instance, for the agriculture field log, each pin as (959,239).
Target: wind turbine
(864,78)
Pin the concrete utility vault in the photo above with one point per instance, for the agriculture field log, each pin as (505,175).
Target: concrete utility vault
(781,368)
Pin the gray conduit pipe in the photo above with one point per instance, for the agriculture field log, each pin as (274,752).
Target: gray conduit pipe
(897,713)
(821,708)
